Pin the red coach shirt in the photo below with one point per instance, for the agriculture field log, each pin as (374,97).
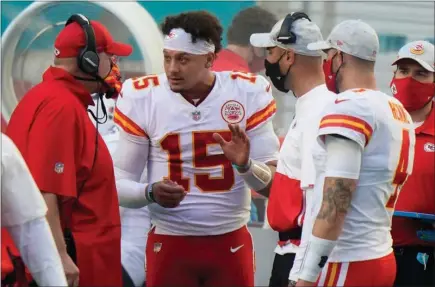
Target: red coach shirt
(227,60)
(56,137)
(418,193)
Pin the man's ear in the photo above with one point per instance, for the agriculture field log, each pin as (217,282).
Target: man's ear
(290,56)
(210,60)
(340,57)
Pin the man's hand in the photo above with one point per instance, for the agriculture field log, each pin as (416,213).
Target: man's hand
(303,283)
(71,270)
(168,194)
(236,150)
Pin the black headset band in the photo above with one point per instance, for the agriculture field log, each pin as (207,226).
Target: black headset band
(87,28)
(87,60)
(286,36)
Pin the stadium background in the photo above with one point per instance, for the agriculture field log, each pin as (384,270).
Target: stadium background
(23,64)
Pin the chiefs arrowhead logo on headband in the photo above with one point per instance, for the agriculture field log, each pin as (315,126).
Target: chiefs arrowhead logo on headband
(171,35)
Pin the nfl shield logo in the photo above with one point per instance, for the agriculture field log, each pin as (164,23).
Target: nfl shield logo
(157,247)
(58,167)
(196,115)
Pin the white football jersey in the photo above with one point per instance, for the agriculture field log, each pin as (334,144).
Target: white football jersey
(183,150)
(295,164)
(21,199)
(383,128)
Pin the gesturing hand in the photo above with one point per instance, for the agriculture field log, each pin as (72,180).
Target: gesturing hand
(236,150)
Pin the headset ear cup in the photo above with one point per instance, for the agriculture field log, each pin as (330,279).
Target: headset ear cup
(293,37)
(89,62)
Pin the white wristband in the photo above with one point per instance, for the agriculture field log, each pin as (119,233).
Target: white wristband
(258,176)
(316,256)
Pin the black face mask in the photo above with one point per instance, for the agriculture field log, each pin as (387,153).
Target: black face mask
(274,73)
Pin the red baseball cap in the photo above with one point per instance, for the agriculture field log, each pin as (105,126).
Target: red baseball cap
(72,39)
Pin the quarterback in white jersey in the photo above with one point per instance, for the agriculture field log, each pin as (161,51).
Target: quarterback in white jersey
(368,141)
(23,211)
(181,125)
(182,147)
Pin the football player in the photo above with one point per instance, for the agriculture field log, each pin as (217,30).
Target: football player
(186,125)
(369,142)
(23,211)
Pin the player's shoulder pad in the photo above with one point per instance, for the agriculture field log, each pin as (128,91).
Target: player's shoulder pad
(7,144)
(249,82)
(351,100)
(10,153)
(351,104)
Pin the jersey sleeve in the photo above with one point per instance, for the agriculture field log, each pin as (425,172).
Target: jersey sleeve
(261,104)
(130,156)
(131,111)
(351,118)
(21,200)
(54,148)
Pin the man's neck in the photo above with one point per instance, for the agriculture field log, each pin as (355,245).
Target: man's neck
(91,86)
(309,82)
(241,51)
(202,89)
(422,114)
(358,80)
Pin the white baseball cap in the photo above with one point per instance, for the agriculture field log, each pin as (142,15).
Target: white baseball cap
(420,51)
(306,32)
(353,37)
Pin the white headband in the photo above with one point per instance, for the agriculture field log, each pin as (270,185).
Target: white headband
(180,40)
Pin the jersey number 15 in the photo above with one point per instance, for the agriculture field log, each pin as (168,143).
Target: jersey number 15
(201,160)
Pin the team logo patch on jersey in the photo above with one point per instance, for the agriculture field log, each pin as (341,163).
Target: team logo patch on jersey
(417,49)
(429,147)
(233,112)
(58,167)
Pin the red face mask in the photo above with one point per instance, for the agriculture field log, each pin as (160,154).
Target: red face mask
(330,77)
(413,94)
(114,80)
